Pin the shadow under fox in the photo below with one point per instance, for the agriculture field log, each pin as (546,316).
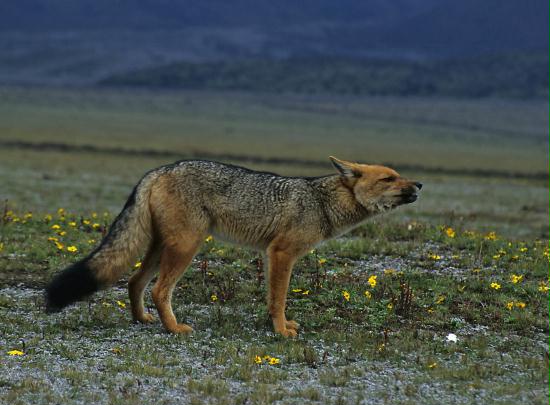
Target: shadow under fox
(173,208)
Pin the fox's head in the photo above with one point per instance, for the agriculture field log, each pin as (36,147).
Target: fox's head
(377,187)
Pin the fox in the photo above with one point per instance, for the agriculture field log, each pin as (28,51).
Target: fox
(173,208)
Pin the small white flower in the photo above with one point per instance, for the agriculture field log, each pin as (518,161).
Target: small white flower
(451,337)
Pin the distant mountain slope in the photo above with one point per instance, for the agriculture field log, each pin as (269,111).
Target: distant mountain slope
(82,41)
(513,75)
(424,27)
(475,27)
(157,14)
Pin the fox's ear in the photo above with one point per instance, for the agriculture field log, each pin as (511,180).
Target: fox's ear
(346,169)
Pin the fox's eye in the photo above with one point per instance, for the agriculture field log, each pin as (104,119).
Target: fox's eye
(388,179)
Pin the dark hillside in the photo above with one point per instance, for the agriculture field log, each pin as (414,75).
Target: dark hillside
(515,75)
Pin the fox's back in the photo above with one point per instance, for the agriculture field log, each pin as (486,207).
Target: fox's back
(243,205)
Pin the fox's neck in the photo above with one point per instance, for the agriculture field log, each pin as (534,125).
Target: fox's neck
(342,210)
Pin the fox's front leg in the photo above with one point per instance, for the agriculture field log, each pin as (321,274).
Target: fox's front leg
(279,270)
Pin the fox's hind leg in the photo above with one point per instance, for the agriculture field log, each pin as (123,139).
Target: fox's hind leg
(174,260)
(138,282)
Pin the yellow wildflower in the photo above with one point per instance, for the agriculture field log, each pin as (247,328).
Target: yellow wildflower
(95,225)
(440,299)
(94,214)
(86,222)
(322,261)
(372,281)
(52,239)
(213,298)
(368,294)
(389,272)
(432,365)
(523,249)
(28,215)
(15,353)
(274,360)
(346,295)
(543,287)
(450,232)
(116,350)
(91,241)
(209,239)
(510,305)
(62,233)
(521,305)
(55,227)
(59,245)
(514,257)
(491,236)
(433,256)
(47,217)
(306,292)
(61,211)
(494,285)
(258,359)
(390,306)
(121,304)
(137,265)
(296,290)
(72,249)
(496,257)
(515,278)
(72,223)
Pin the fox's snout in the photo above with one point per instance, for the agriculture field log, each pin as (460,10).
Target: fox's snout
(409,192)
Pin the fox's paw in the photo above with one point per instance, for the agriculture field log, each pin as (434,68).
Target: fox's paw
(145,318)
(292,325)
(289,333)
(180,328)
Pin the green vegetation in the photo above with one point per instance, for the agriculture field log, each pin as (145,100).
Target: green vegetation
(376,309)
(469,258)
(520,75)
(464,136)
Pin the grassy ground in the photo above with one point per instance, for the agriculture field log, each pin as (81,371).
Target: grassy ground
(438,267)
(500,135)
(375,308)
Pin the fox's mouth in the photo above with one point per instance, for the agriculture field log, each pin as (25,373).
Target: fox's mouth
(407,198)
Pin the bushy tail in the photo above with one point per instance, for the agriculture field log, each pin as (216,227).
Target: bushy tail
(129,235)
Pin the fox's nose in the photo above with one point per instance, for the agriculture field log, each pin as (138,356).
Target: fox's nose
(418,185)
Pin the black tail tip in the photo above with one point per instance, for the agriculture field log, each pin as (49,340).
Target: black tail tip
(73,284)
(51,308)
